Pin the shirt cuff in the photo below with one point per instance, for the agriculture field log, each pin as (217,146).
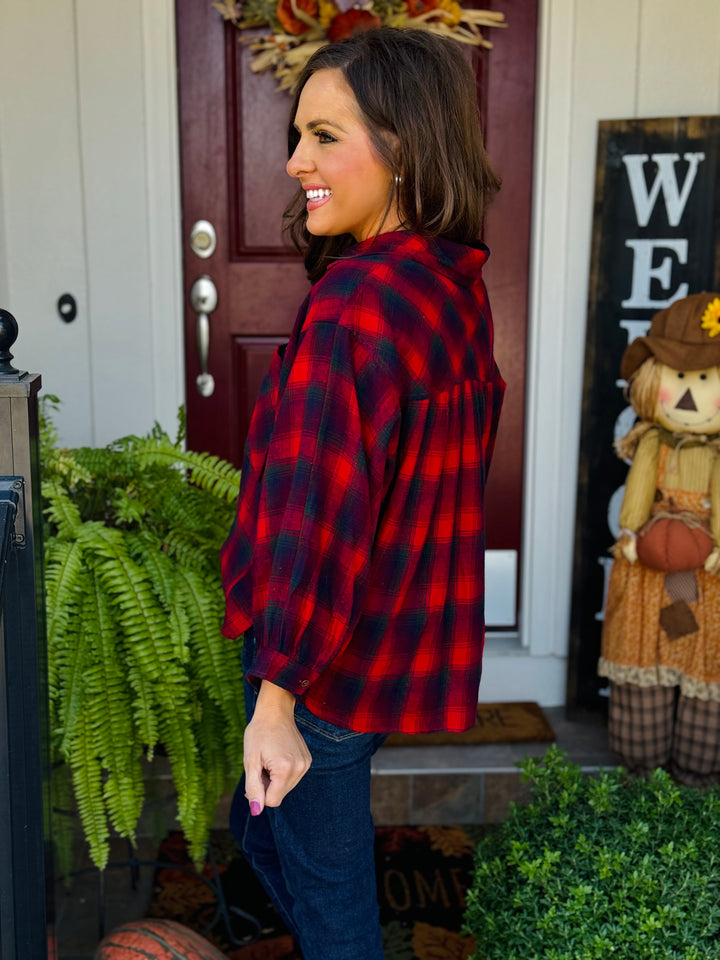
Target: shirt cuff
(235,624)
(281,670)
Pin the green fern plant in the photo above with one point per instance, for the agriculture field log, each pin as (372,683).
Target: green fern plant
(134,606)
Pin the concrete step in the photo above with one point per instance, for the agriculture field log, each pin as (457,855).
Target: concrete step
(474,784)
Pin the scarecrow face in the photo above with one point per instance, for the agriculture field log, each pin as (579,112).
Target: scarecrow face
(689,400)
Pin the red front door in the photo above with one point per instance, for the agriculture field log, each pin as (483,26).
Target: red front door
(233,145)
(233,155)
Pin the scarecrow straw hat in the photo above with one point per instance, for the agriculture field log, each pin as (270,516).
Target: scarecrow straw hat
(683,336)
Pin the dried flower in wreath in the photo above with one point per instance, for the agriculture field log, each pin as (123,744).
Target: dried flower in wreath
(300,27)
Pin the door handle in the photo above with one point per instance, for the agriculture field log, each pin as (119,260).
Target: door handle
(203,299)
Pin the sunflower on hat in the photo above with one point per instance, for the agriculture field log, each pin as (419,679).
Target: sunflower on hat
(711,318)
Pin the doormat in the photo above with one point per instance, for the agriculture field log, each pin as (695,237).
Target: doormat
(422,875)
(496,723)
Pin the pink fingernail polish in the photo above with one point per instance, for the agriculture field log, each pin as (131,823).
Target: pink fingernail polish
(255,808)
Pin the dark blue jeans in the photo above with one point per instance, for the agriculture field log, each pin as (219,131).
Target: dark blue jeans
(314,853)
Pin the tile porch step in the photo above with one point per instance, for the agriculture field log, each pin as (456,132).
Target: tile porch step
(476,783)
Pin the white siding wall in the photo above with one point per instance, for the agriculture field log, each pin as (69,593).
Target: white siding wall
(3,249)
(43,202)
(89,205)
(88,173)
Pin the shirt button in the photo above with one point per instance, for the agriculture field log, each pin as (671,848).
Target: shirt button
(304,683)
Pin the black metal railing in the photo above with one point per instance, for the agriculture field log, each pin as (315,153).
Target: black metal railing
(26,900)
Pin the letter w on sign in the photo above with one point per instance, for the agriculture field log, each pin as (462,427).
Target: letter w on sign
(665,179)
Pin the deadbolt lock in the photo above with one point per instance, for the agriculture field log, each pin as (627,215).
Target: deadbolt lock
(203,239)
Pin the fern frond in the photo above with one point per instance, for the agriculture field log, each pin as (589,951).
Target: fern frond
(128,509)
(143,707)
(181,435)
(64,588)
(187,512)
(70,712)
(58,463)
(60,509)
(88,788)
(109,711)
(185,547)
(99,462)
(145,550)
(177,729)
(48,406)
(214,474)
(210,473)
(180,633)
(61,466)
(216,660)
(164,579)
(144,622)
(221,769)
(124,794)
(141,622)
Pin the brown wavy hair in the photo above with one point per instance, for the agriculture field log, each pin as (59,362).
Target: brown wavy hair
(418,99)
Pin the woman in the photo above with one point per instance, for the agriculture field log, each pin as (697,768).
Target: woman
(355,564)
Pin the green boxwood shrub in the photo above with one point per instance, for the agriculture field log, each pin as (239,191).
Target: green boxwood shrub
(599,866)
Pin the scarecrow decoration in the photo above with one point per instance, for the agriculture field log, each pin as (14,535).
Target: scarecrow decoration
(661,632)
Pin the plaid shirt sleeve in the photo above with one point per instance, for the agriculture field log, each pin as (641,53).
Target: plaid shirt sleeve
(322,486)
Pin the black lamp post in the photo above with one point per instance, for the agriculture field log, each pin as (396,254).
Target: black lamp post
(26,931)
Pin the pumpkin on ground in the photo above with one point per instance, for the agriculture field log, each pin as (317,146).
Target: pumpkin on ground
(153,939)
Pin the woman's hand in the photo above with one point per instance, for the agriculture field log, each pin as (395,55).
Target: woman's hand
(276,757)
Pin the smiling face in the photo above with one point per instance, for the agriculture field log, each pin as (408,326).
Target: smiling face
(348,187)
(689,400)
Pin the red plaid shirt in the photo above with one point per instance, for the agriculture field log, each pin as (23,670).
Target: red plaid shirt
(357,551)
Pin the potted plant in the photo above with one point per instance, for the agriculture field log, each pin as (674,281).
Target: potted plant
(600,866)
(136,661)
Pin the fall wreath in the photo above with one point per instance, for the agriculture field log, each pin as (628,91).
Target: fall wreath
(300,27)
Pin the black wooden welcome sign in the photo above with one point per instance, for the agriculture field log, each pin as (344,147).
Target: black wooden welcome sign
(656,238)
